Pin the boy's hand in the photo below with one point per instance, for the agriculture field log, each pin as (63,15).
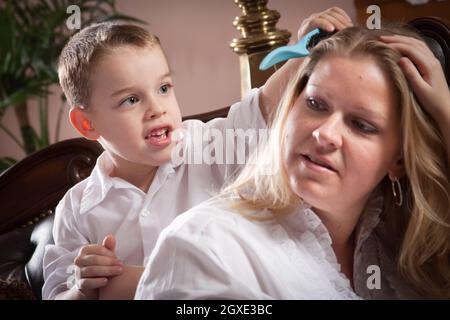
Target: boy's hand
(96,263)
(329,20)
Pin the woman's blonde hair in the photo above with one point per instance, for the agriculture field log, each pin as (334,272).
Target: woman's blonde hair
(419,231)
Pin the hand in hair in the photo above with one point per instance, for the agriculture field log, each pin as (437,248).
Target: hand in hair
(426,78)
(329,20)
(332,19)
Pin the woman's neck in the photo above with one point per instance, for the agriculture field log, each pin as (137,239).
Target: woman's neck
(341,225)
(139,175)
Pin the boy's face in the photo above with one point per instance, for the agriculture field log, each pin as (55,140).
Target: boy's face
(133,107)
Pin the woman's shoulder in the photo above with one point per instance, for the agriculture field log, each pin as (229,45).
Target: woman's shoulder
(211,218)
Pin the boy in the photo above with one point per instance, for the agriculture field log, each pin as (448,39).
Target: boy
(118,84)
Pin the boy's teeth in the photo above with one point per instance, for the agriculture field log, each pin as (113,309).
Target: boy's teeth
(160,132)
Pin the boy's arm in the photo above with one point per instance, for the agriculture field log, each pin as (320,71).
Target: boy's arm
(272,92)
(329,20)
(122,287)
(58,267)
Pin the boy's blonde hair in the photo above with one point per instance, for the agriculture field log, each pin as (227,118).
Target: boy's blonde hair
(419,232)
(85,48)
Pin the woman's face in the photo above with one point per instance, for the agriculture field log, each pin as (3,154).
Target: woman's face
(342,135)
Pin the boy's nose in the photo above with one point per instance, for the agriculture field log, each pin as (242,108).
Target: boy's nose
(154,112)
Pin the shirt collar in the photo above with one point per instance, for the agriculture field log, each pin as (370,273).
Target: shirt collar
(98,185)
(305,217)
(100,182)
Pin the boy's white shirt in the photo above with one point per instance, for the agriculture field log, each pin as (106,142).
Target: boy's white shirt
(102,205)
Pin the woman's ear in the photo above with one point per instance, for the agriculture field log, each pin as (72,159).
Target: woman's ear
(80,121)
(397,170)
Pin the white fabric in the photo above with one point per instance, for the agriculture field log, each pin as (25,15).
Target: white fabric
(237,268)
(102,205)
(211,252)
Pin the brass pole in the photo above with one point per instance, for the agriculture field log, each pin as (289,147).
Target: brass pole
(259,36)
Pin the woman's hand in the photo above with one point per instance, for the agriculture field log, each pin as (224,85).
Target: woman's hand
(427,79)
(424,73)
(329,20)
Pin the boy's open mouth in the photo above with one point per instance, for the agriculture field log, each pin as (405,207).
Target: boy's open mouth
(159,136)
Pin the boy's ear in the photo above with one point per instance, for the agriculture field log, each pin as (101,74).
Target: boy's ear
(80,121)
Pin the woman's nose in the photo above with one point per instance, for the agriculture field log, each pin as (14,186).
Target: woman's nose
(329,133)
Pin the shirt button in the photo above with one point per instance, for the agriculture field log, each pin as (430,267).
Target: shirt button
(145,213)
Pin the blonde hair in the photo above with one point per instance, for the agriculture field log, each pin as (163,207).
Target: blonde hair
(424,219)
(79,55)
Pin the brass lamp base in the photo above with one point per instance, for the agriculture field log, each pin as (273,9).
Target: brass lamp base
(259,36)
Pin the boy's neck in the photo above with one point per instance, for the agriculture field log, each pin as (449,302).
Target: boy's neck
(139,175)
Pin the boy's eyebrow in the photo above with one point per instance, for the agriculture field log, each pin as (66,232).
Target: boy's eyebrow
(118,92)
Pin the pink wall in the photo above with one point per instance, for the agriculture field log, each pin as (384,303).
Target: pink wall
(195,35)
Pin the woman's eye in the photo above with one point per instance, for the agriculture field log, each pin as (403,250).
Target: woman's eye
(129,101)
(314,104)
(363,126)
(164,89)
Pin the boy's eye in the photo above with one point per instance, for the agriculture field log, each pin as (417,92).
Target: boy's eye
(164,89)
(315,105)
(129,101)
(364,127)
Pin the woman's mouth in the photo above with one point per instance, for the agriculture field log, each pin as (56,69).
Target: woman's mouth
(316,163)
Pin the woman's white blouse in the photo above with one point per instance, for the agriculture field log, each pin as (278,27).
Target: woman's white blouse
(210,252)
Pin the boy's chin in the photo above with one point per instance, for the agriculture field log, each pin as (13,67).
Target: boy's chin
(162,157)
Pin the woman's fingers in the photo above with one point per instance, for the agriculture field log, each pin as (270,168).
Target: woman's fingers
(424,73)
(416,51)
(412,74)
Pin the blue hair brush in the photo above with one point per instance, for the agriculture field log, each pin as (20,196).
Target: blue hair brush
(298,50)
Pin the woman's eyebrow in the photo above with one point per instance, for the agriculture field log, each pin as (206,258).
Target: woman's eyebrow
(371,113)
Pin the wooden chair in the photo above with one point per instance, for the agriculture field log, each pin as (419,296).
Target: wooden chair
(30,190)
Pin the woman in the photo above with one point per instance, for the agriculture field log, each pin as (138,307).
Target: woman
(360,196)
